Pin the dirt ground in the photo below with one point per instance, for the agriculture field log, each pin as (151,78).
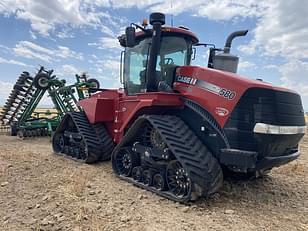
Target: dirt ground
(42,191)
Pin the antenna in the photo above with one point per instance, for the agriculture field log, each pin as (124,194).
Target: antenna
(171,14)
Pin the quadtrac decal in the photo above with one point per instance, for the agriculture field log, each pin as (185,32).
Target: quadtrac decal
(223,92)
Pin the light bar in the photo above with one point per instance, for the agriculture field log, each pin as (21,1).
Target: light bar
(278,130)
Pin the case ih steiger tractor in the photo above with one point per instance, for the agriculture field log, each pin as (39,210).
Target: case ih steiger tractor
(174,127)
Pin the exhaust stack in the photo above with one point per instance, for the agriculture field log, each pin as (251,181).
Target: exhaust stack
(156,20)
(225,61)
(231,37)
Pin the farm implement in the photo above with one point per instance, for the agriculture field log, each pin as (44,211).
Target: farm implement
(19,110)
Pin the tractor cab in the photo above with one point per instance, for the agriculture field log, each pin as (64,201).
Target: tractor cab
(152,55)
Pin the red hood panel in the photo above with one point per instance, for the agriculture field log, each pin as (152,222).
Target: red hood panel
(215,90)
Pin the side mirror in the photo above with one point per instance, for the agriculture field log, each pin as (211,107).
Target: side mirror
(130,36)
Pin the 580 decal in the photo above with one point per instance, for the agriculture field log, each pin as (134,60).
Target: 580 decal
(227,93)
(210,87)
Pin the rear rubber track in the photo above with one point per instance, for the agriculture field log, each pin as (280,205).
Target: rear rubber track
(93,146)
(105,140)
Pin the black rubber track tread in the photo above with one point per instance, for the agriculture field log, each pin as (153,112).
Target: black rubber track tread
(202,167)
(105,139)
(86,130)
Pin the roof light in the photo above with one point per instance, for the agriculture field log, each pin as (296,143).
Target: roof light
(145,23)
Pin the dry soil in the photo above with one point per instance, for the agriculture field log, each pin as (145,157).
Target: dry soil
(42,191)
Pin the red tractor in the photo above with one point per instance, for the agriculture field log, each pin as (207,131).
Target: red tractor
(174,127)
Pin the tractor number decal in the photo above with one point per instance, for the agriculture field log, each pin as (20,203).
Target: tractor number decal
(223,92)
(227,93)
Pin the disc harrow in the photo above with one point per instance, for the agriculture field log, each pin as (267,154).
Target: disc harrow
(18,100)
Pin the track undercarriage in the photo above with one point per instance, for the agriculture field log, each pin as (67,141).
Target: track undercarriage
(78,139)
(161,154)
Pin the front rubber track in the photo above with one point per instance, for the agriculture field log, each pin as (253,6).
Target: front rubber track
(202,167)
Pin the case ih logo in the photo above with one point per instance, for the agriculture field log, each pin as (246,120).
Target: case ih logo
(221,111)
(186,79)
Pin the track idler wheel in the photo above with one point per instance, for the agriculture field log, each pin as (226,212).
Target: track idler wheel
(125,161)
(58,142)
(178,180)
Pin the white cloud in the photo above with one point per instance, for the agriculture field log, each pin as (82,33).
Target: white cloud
(244,65)
(248,49)
(69,69)
(68,72)
(108,67)
(31,50)
(271,66)
(107,31)
(11,61)
(46,16)
(111,64)
(212,9)
(65,52)
(107,43)
(5,89)
(65,33)
(283,31)
(294,76)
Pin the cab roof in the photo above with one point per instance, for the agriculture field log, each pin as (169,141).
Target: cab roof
(166,31)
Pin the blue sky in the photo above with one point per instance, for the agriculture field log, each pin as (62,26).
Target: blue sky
(74,36)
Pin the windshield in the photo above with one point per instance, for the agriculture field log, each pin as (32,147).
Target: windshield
(174,51)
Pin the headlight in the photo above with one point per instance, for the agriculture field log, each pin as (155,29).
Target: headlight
(278,130)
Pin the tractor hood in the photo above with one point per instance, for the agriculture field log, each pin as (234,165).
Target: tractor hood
(216,90)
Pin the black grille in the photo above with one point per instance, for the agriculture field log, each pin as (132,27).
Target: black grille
(264,106)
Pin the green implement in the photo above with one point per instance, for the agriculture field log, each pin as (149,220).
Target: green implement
(19,109)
